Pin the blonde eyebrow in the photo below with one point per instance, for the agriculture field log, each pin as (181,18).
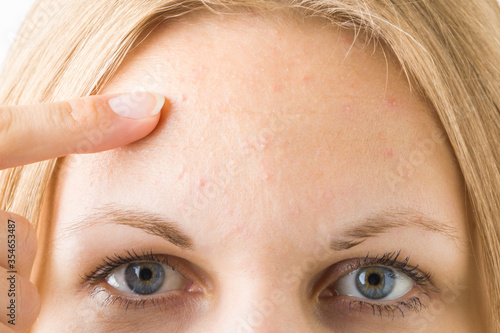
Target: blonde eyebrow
(152,223)
(376,224)
(158,225)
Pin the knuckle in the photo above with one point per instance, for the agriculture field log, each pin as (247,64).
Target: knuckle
(83,113)
(29,302)
(6,121)
(6,117)
(29,243)
(27,240)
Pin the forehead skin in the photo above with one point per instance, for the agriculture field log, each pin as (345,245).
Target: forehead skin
(298,125)
(274,135)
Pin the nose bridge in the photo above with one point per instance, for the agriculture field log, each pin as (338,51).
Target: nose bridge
(262,291)
(262,288)
(256,308)
(255,299)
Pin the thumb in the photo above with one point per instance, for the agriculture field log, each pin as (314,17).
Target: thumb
(86,125)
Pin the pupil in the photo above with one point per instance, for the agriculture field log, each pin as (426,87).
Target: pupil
(145,274)
(374,279)
(375,282)
(144,278)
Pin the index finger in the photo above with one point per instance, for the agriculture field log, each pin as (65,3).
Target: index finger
(86,125)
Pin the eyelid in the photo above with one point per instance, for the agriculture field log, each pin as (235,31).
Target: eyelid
(402,282)
(117,280)
(389,259)
(191,296)
(108,263)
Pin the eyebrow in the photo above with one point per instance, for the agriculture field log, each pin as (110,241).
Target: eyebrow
(152,223)
(376,224)
(164,227)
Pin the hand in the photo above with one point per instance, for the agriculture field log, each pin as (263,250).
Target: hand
(34,133)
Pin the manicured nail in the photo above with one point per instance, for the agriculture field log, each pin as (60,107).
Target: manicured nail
(137,105)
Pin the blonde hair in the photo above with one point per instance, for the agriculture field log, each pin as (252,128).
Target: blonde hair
(449,50)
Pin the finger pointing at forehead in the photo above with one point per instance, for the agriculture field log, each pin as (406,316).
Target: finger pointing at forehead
(86,125)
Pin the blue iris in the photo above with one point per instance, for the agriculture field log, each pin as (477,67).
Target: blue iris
(375,282)
(144,277)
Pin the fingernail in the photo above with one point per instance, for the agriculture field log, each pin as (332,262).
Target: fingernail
(137,105)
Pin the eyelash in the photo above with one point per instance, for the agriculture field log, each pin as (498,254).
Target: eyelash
(100,273)
(115,261)
(390,259)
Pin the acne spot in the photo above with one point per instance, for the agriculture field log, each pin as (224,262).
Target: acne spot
(201,183)
(264,142)
(346,111)
(266,177)
(325,196)
(277,88)
(200,72)
(391,104)
(346,108)
(184,97)
(282,142)
(237,231)
(388,152)
(293,208)
(306,79)
(183,171)
(382,136)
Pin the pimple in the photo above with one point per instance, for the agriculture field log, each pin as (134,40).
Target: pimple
(277,88)
(391,104)
(266,177)
(264,141)
(237,230)
(306,79)
(347,111)
(388,152)
(293,208)
(199,72)
(282,142)
(184,97)
(201,182)
(346,108)
(183,171)
(382,136)
(325,196)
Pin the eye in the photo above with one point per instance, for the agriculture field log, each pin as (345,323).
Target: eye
(374,283)
(145,278)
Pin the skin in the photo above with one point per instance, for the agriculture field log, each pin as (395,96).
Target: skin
(315,134)
(32,133)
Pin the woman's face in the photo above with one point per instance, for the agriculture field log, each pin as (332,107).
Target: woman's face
(293,185)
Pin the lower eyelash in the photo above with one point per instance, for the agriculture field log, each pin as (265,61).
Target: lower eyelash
(413,304)
(160,302)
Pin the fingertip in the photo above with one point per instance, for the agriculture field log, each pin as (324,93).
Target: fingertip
(160,102)
(137,105)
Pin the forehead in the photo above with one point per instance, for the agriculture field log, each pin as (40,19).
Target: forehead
(271,121)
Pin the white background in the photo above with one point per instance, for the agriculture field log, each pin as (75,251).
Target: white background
(12,13)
